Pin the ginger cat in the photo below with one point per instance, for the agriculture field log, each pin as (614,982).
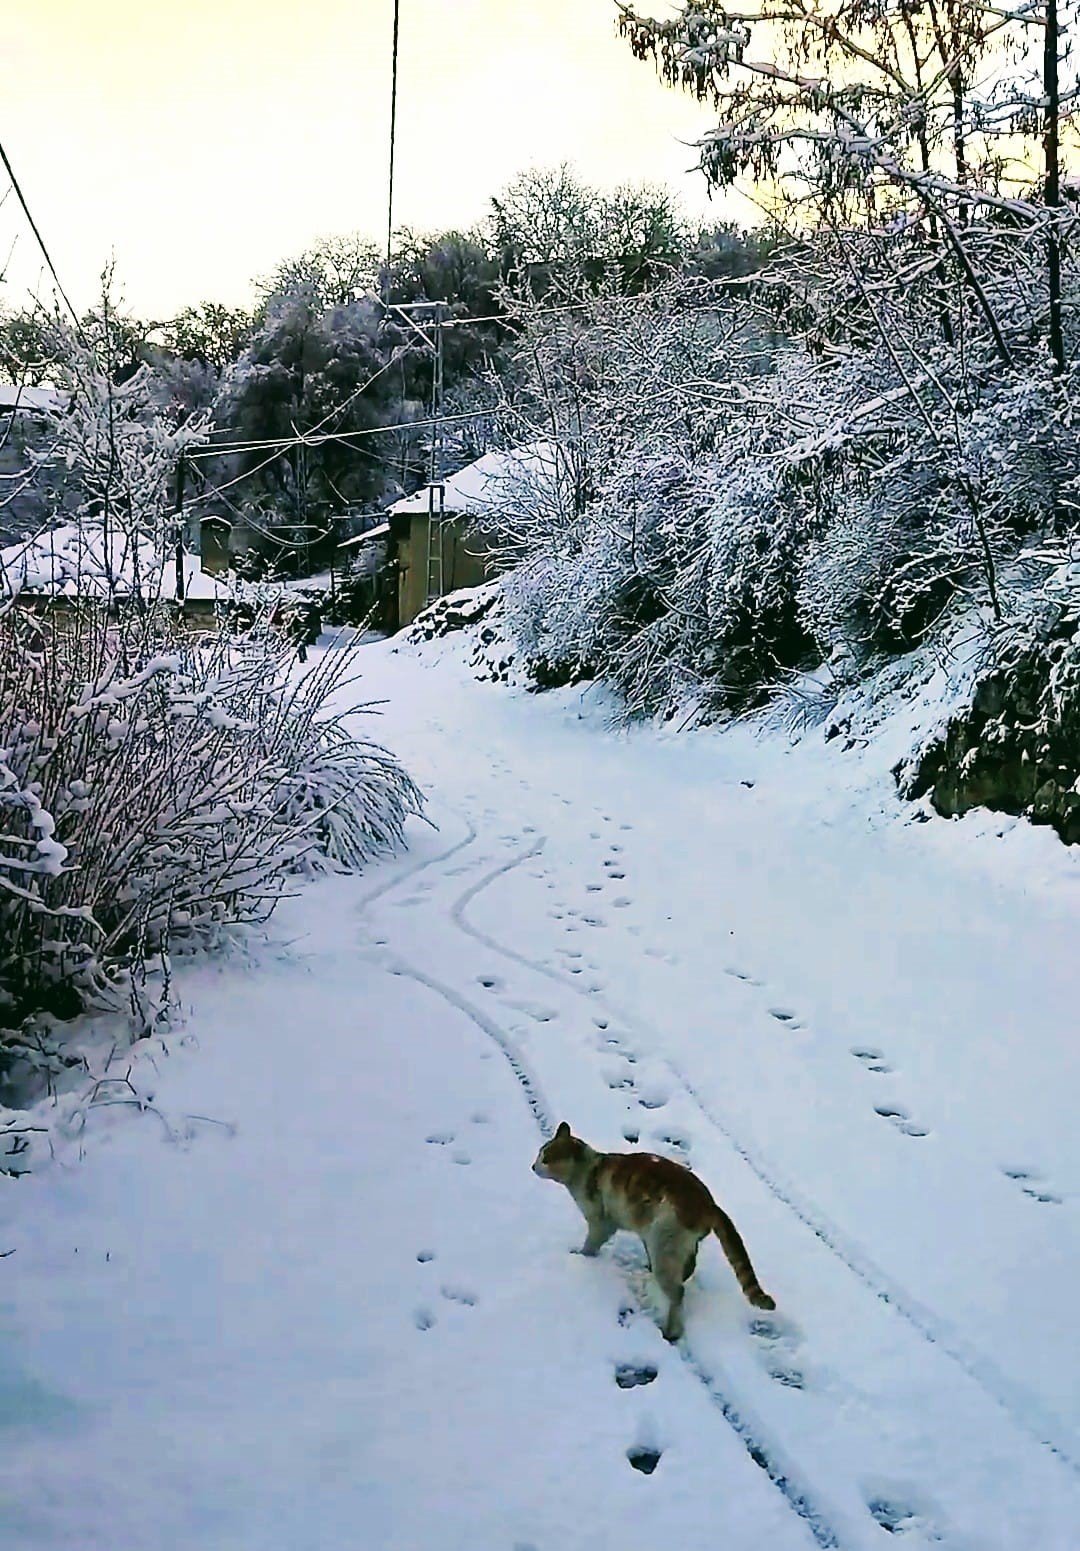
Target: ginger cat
(661,1201)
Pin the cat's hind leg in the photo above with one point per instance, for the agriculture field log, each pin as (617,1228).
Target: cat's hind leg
(672,1260)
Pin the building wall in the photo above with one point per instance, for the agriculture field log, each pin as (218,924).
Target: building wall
(466,563)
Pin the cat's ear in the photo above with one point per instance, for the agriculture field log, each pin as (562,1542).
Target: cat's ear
(563,1129)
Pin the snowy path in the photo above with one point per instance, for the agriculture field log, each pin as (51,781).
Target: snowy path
(355,1322)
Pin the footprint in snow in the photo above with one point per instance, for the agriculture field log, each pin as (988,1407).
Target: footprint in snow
(740,974)
(674,1140)
(459,1155)
(777,1341)
(424,1255)
(785,1015)
(900,1119)
(631,1135)
(454,1293)
(594,888)
(489,982)
(423,1319)
(537,1013)
(632,1375)
(606,1046)
(621,902)
(898,1517)
(872,1058)
(1031,1183)
(653,1096)
(440,1138)
(643,1459)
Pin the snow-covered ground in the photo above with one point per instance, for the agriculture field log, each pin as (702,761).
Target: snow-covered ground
(315,1298)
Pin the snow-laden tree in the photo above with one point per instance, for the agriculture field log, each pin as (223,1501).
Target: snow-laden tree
(120,449)
(548,228)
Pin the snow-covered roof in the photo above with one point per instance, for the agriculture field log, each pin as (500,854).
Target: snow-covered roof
(29,401)
(69,561)
(496,480)
(382,531)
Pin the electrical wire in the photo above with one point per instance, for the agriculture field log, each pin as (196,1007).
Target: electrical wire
(21,197)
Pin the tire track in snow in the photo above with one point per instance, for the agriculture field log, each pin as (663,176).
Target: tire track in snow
(1023,1409)
(515,1060)
(798,1497)
(412,872)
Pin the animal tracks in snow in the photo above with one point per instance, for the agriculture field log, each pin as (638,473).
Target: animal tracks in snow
(424,1316)
(872,1059)
(633,1375)
(777,1342)
(740,974)
(900,1119)
(895,1514)
(894,1511)
(454,1292)
(1032,1183)
(786,1015)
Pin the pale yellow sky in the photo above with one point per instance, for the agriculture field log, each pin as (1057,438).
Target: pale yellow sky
(203,140)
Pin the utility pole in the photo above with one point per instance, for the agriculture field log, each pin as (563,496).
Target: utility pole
(436,489)
(1052,187)
(179,552)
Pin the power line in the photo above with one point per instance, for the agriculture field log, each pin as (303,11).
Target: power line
(393,145)
(282,444)
(21,197)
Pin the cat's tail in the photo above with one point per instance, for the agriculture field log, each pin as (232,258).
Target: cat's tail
(735,1250)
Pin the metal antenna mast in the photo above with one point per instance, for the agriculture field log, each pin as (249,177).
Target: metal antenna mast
(436,489)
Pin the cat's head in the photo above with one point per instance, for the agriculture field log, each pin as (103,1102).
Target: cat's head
(558,1158)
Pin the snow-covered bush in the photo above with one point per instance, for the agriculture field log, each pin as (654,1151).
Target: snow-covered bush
(158,786)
